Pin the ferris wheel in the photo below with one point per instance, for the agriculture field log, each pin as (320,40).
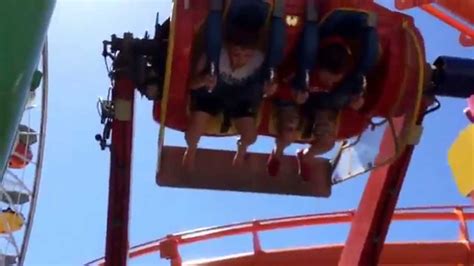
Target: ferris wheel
(19,185)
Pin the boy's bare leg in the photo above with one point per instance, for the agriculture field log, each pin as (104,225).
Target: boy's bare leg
(196,128)
(325,139)
(324,134)
(286,136)
(273,163)
(288,119)
(318,147)
(287,129)
(280,145)
(248,135)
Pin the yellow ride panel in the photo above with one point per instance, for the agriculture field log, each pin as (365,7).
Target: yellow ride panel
(461,160)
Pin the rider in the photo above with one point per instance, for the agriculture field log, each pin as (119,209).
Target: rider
(333,63)
(237,89)
(336,89)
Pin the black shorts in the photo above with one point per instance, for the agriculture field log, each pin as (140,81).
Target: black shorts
(215,103)
(317,102)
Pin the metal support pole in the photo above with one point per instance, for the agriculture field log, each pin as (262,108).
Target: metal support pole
(117,245)
(372,220)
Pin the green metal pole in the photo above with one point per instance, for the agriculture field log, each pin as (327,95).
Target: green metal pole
(23,28)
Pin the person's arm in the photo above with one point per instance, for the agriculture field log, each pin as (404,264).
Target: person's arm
(199,78)
(300,97)
(287,76)
(357,101)
(347,94)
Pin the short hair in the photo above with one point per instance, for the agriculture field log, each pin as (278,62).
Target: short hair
(334,58)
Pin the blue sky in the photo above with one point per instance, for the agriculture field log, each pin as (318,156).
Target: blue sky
(70,222)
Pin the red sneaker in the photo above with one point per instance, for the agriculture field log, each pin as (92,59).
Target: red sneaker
(304,169)
(470,115)
(273,165)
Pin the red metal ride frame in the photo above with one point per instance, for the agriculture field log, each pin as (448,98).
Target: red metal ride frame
(117,245)
(372,220)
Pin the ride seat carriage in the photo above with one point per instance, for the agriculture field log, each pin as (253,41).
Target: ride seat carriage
(394,63)
(22,154)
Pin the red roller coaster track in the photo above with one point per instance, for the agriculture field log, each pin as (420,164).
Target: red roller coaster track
(439,253)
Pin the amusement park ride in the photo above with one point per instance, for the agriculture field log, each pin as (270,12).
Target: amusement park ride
(23,115)
(401,90)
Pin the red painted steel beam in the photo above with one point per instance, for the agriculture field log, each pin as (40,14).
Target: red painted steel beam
(374,214)
(440,14)
(466,40)
(449,19)
(407,4)
(467,32)
(116,250)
